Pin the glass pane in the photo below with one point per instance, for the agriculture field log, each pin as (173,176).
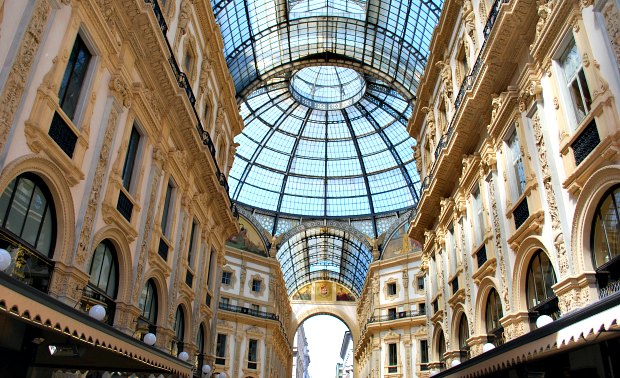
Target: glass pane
(4,200)
(73,78)
(20,205)
(34,218)
(46,234)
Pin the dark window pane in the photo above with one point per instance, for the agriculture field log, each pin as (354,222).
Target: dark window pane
(130,157)
(73,79)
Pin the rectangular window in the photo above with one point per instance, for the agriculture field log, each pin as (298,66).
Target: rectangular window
(210,271)
(515,165)
(478,215)
(167,204)
(255,308)
(226,277)
(220,349)
(256,285)
(74,77)
(420,283)
(423,351)
(576,84)
(422,308)
(252,352)
(225,301)
(190,250)
(391,288)
(451,250)
(392,313)
(392,358)
(130,158)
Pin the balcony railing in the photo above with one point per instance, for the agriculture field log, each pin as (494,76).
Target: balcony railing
(586,142)
(521,213)
(398,315)
(92,295)
(27,265)
(248,311)
(183,82)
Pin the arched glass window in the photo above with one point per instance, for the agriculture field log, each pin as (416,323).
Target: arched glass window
(493,314)
(28,229)
(148,305)
(27,212)
(104,269)
(103,285)
(606,242)
(463,336)
(541,300)
(179,330)
(441,350)
(200,344)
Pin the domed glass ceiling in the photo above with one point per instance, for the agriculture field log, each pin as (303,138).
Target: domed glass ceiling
(327,87)
(295,159)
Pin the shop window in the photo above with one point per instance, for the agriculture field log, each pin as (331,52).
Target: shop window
(176,346)
(606,242)
(423,355)
(103,284)
(493,313)
(200,345)
(541,300)
(28,230)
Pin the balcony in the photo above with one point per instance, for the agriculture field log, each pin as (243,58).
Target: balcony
(248,311)
(398,315)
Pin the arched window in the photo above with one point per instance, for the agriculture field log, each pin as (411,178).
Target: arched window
(541,300)
(103,284)
(441,350)
(28,229)
(179,330)
(606,242)
(463,336)
(200,344)
(148,305)
(493,314)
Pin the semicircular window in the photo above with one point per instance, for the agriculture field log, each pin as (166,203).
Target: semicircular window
(103,284)
(327,87)
(541,300)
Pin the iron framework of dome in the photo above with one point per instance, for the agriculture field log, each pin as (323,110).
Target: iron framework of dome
(325,89)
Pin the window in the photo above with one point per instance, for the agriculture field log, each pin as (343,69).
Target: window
(192,243)
(74,77)
(166,213)
(478,215)
(606,242)
(391,288)
(420,283)
(540,278)
(148,305)
(493,313)
(252,352)
(515,166)
(104,269)
(210,271)
(255,309)
(27,212)
(450,247)
(130,158)
(224,301)
(421,308)
(392,358)
(463,336)
(226,277)
(256,284)
(423,355)
(200,344)
(576,83)
(441,350)
(176,346)
(220,349)
(392,313)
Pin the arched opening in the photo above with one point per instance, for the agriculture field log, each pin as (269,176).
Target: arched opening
(28,230)
(102,287)
(322,342)
(493,313)
(605,242)
(147,320)
(463,335)
(541,300)
(176,346)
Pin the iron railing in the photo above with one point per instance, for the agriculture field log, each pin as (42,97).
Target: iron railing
(248,311)
(398,315)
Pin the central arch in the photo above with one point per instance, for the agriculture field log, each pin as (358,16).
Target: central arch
(344,312)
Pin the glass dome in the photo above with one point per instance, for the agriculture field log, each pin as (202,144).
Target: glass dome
(327,87)
(295,159)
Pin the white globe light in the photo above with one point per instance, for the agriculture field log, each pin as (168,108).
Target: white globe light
(150,339)
(543,320)
(183,356)
(222,375)
(455,362)
(487,347)
(206,369)
(97,312)
(5,259)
